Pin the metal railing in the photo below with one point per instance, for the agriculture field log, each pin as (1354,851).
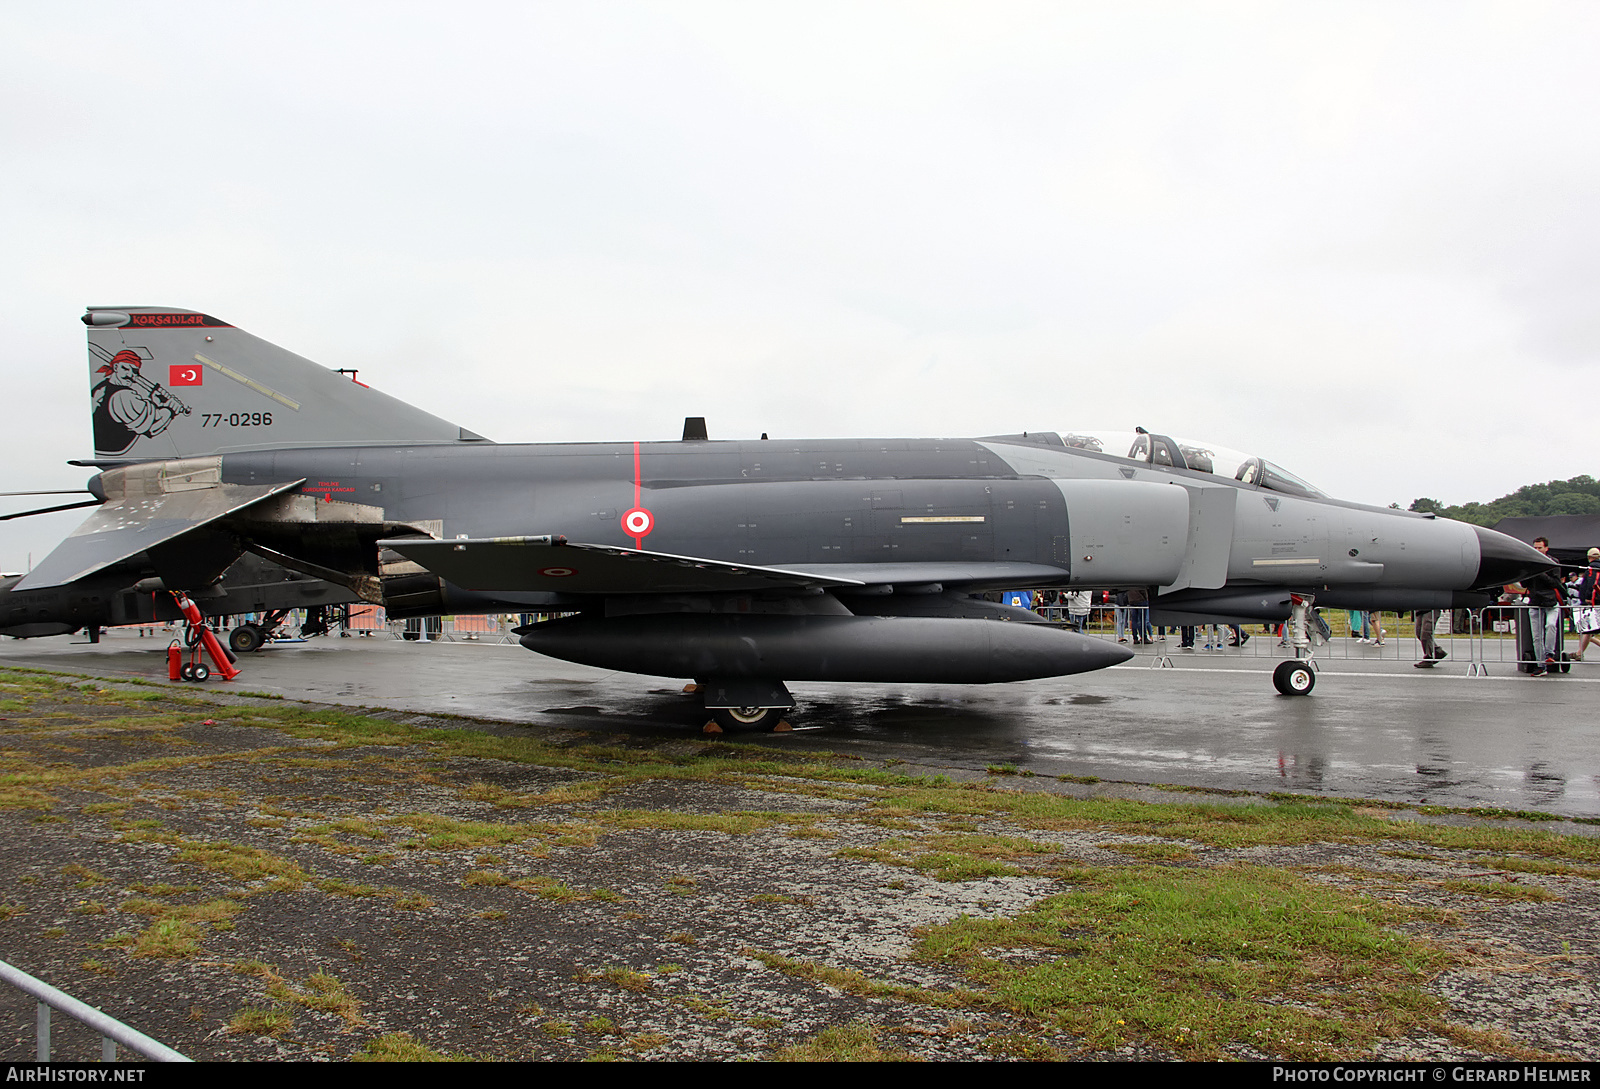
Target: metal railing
(1504,637)
(1477,638)
(366,620)
(112,1032)
(464,628)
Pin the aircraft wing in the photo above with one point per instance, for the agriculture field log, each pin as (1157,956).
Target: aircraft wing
(553,564)
(133,523)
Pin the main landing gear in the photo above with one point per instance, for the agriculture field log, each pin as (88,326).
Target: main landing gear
(250,637)
(744,706)
(749,719)
(246,638)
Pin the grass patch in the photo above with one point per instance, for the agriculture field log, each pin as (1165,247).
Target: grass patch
(400,1047)
(1202,962)
(956,856)
(448,834)
(1287,822)
(1536,865)
(161,888)
(254,1021)
(856,1042)
(486,877)
(87,878)
(548,888)
(852,982)
(243,863)
(1151,852)
(1015,1045)
(1500,890)
(628,979)
(167,938)
(319,991)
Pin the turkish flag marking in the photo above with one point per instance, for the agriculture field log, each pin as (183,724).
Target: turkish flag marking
(186,374)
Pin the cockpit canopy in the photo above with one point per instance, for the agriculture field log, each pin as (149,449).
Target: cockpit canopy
(1180,453)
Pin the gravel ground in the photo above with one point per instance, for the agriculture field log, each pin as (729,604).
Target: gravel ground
(243,894)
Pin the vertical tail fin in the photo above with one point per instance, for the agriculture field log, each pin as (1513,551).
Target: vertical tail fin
(168,383)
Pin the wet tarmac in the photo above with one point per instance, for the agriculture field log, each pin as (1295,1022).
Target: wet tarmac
(1373,729)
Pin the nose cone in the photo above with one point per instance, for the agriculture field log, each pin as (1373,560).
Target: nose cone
(1503,559)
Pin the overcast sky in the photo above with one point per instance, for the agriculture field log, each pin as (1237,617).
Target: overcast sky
(1361,240)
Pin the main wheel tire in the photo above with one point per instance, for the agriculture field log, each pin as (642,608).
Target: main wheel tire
(748,719)
(246,638)
(200,672)
(1294,678)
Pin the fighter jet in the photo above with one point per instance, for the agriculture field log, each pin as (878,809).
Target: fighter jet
(737,564)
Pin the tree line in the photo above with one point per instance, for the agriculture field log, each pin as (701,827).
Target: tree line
(1580,495)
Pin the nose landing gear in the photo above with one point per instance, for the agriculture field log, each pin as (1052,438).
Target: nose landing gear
(1296,677)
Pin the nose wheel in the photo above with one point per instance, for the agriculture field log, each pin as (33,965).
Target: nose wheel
(1294,678)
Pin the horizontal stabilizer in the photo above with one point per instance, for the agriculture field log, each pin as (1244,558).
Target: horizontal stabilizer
(548,563)
(133,523)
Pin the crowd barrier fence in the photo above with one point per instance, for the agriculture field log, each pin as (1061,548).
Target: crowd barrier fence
(1484,640)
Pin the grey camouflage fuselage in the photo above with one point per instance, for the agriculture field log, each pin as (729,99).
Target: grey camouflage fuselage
(736,563)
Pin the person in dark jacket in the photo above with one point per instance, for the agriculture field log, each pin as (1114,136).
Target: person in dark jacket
(1544,614)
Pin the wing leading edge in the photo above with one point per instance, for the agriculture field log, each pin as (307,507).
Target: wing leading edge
(550,563)
(554,564)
